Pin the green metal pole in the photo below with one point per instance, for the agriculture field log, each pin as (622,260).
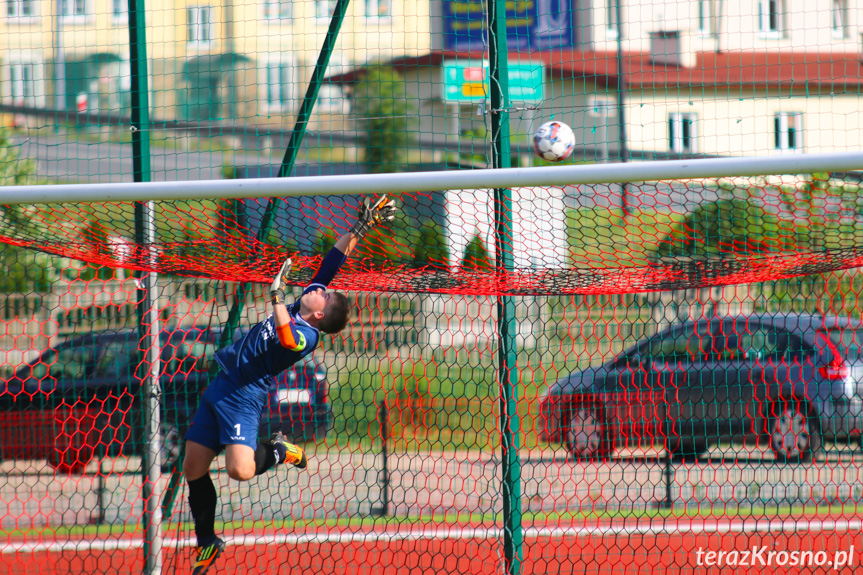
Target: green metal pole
(140,99)
(147,307)
(271,211)
(507,373)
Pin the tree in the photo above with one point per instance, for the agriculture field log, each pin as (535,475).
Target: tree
(721,230)
(13,170)
(277,239)
(96,237)
(724,228)
(476,256)
(429,248)
(383,114)
(382,246)
(324,241)
(24,270)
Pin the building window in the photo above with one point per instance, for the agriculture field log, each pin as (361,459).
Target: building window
(200,25)
(26,82)
(331,98)
(611,18)
(681,133)
(20,8)
(324,9)
(22,80)
(278,83)
(770,17)
(788,131)
(72,8)
(120,84)
(379,8)
(277,9)
(837,18)
(704,17)
(120,10)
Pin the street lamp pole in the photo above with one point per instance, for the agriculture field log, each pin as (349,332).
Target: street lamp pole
(59,62)
(623,151)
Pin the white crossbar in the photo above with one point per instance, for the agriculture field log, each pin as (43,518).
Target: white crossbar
(434,181)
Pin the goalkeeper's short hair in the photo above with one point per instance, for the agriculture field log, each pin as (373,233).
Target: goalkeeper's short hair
(336,315)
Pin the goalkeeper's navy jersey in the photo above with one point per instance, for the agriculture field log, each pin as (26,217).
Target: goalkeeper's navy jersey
(258,356)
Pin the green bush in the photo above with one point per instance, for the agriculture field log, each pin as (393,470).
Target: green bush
(24,270)
(726,228)
(429,247)
(476,256)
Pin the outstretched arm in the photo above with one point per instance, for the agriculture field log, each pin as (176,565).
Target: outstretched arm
(286,330)
(347,243)
(372,213)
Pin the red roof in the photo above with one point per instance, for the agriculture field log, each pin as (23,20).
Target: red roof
(744,69)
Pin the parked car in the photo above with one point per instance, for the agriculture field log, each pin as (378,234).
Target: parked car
(794,380)
(82,398)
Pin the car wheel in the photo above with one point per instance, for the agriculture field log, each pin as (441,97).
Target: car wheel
(685,452)
(794,434)
(588,435)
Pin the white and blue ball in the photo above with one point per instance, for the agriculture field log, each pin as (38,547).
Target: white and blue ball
(554,141)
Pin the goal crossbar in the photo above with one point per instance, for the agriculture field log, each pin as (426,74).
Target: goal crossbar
(433,181)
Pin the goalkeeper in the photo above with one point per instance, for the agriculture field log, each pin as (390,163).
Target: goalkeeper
(230,410)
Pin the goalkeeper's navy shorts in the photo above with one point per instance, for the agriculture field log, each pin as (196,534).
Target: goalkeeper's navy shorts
(228,415)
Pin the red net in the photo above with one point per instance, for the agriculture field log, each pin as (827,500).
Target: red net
(654,350)
(569,240)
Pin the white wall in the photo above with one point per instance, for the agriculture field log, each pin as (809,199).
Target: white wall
(741,123)
(538,226)
(807,25)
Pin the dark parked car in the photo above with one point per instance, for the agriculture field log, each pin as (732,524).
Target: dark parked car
(83,398)
(793,380)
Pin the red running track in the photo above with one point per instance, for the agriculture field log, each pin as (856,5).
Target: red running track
(596,549)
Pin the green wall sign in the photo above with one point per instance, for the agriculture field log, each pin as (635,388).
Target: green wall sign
(467,81)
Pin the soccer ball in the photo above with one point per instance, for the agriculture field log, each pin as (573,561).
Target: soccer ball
(554,141)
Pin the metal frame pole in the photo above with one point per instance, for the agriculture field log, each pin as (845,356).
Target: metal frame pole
(383,417)
(507,372)
(148,372)
(148,301)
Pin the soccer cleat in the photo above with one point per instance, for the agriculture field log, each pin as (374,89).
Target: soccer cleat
(293,454)
(207,556)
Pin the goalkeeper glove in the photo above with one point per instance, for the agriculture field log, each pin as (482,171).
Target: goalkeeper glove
(277,289)
(374,213)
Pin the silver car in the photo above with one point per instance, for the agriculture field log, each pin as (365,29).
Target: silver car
(793,380)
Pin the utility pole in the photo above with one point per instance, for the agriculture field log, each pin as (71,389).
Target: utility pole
(59,62)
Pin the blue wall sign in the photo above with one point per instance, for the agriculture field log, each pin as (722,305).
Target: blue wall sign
(531,24)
